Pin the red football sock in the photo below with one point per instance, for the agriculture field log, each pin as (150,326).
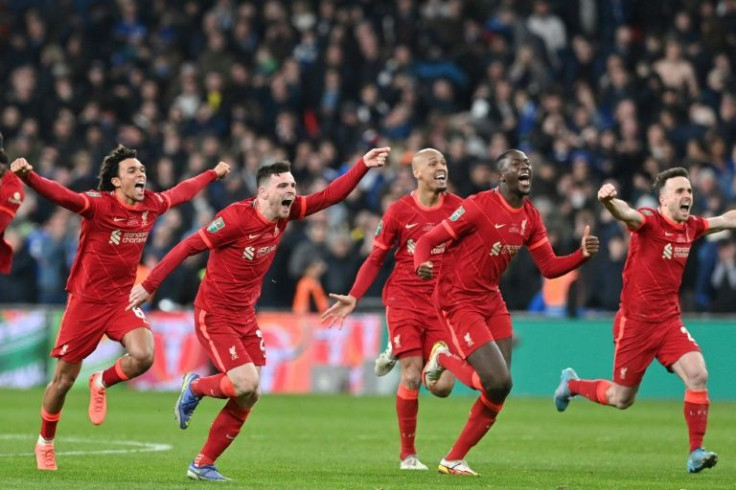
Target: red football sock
(482,416)
(696,416)
(114,374)
(224,430)
(48,424)
(216,386)
(407,406)
(462,370)
(592,389)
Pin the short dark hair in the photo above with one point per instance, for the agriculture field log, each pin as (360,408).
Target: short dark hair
(503,157)
(665,175)
(111,166)
(274,169)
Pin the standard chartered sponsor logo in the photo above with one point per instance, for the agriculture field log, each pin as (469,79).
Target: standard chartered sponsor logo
(251,252)
(500,249)
(671,251)
(117,237)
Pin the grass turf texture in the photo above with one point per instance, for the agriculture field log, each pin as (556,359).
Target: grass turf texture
(325,442)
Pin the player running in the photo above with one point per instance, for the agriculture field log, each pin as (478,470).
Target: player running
(648,324)
(410,313)
(486,231)
(117,219)
(11,197)
(242,241)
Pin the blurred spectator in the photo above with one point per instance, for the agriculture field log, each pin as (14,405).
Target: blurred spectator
(590,90)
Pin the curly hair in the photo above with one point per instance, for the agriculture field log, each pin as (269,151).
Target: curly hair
(111,166)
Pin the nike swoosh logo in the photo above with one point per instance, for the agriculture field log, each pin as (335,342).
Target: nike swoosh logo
(500,226)
(118,219)
(254,236)
(667,233)
(408,227)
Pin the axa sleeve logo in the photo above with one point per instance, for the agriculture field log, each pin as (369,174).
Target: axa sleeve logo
(216,225)
(115,237)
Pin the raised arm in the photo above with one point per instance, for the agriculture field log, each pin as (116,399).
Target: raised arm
(339,188)
(48,189)
(185,191)
(192,245)
(725,221)
(552,265)
(368,272)
(618,208)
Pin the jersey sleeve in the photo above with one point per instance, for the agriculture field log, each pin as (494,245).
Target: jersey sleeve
(387,231)
(701,226)
(83,204)
(11,197)
(185,191)
(225,228)
(538,236)
(464,219)
(648,219)
(337,191)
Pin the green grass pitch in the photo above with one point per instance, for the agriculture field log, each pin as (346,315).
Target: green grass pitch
(326,442)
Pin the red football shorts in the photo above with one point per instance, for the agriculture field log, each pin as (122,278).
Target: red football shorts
(229,340)
(473,323)
(85,322)
(638,343)
(412,333)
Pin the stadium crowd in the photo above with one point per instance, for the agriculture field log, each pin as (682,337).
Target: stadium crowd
(592,90)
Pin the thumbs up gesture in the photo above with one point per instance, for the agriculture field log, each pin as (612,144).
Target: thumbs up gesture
(589,243)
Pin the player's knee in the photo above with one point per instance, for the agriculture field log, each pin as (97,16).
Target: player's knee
(497,388)
(623,401)
(698,379)
(143,358)
(63,383)
(441,391)
(246,387)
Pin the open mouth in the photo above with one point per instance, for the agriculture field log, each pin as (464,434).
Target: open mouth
(525,179)
(287,203)
(685,207)
(141,184)
(440,177)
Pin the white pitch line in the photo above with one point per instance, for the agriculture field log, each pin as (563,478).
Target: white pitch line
(133,446)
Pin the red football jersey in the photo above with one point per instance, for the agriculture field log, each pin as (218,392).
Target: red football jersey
(404,222)
(11,197)
(488,233)
(113,233)
(242,247)
(658,251)
(111,243)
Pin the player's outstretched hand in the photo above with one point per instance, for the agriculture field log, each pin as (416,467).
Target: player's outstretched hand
(606,193)
(377,157)
(138,296)
(335,314)
(21,167)
(425,271)
(589,243)
(222,169)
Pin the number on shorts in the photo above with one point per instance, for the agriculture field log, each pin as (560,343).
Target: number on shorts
(139,313)
(689,337)
(263,343)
